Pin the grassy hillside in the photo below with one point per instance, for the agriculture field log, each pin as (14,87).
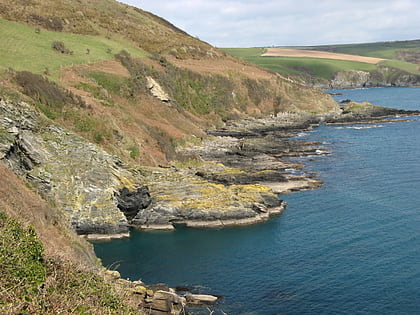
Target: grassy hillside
(25,49)
(117,109)
(107,18)
(326,68)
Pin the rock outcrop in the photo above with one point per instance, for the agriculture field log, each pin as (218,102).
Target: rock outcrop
(239,174)
(156,90)
(131,202)
(78,177)
(381,77)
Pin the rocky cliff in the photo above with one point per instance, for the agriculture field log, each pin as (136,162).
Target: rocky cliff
(381,77)
(101,198)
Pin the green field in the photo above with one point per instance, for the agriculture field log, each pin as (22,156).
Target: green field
(386,50)
(24,49)
(325,68)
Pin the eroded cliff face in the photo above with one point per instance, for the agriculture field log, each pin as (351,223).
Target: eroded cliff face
(100,197)
(382,77)
(79,178)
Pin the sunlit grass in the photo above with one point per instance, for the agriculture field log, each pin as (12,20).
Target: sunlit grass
(25,49)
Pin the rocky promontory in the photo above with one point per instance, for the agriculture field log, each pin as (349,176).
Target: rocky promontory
(231,177)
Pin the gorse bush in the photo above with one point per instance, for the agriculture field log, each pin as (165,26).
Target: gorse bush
(60,47)
(32,284)
(46,92)
(21,258)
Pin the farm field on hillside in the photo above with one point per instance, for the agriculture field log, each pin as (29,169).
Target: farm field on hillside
(290,52)
(324,61)
(25,49)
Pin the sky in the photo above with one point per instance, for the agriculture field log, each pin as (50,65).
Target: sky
(262,23)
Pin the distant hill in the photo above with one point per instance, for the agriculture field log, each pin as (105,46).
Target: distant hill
(388,63)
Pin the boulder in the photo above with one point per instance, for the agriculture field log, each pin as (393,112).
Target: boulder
(130,202)
(200,299)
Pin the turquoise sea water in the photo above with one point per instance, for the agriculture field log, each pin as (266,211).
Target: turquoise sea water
(350,247)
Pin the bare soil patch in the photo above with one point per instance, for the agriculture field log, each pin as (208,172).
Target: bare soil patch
(290,52)
(223,66)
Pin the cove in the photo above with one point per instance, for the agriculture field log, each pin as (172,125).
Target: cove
(350,247)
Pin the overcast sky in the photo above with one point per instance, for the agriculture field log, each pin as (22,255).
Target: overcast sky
(251,23)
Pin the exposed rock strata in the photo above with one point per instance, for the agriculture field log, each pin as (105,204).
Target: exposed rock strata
(382,77)
(242,168)
(101,199)
(75,175)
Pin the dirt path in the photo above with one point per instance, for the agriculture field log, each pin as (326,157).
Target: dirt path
(289,52)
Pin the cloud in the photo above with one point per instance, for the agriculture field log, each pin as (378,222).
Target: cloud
(247,23)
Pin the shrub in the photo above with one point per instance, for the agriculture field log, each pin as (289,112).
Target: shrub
(60,47)
(50,97)
(53,23)
(21,258)
(134,151)
(256,90)
(33,284)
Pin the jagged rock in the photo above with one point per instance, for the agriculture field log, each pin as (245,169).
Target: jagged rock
(114,274)
(158,217)
(156,90)
(382,76)
(158,287)
(77,176)
(130,202)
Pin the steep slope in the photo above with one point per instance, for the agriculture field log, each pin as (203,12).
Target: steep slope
(136,108)
(97,98)
(205,86)
(105,18)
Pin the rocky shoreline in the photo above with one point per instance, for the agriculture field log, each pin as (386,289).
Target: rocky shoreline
(232,177)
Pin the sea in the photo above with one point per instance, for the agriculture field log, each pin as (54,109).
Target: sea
(349,247)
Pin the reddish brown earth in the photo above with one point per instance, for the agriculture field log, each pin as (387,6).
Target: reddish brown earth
(289,52)
(20,202)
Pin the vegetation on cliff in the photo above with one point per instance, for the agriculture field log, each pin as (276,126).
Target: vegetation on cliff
(93,96)
(33,283)
(45,268)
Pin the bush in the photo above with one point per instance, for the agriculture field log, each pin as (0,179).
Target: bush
(21,259)
(53,23)
(60,47)
(31,284)
(51,97)
(256,90)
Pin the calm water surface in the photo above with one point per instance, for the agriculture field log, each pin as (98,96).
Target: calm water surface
(350,247)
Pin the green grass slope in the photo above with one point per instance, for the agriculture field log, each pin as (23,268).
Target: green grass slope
(323,68)
(25,49)
(107,18)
